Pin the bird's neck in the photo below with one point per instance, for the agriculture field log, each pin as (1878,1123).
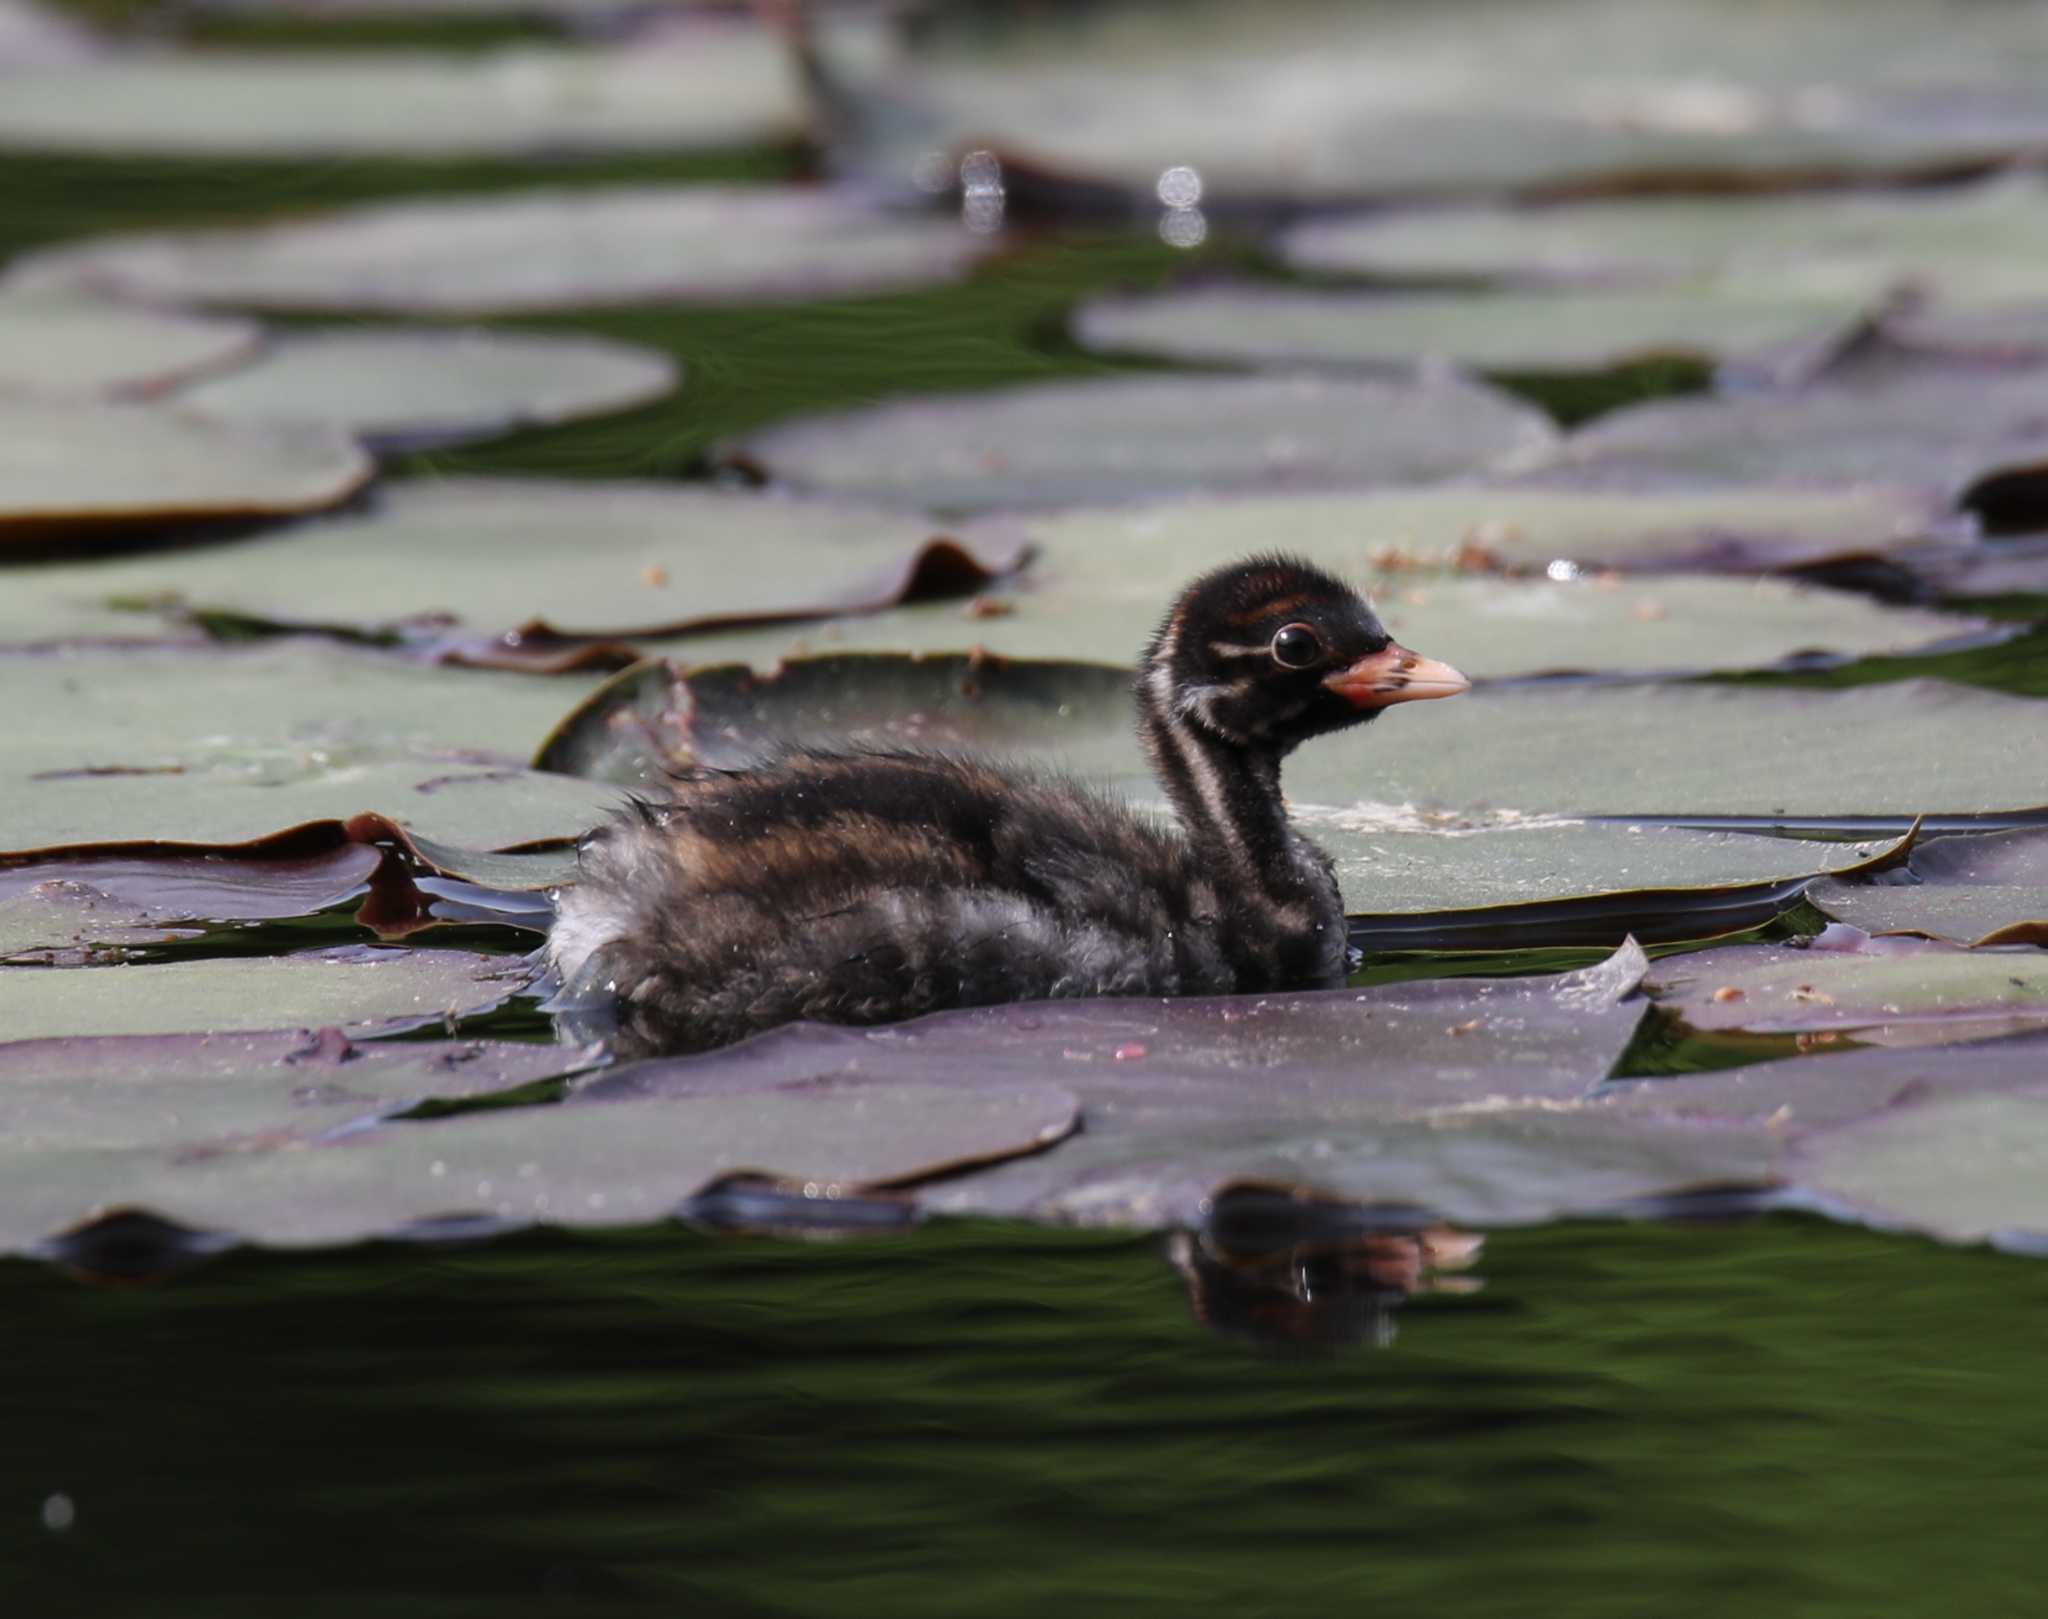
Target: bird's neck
(1227,795)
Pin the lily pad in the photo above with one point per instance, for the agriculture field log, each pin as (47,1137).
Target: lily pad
(504,1168)
(1292,103)
(713,84)
(1439,1096)
(468,568)
(63,345)
(1990,889)
(1949,428)
(1881,992)
(1965,247)
(363,989)
(1750,331)
(75,468)
(224,746)
(533,251)
(59,910)
(1966,1167)
(410,389)
(1113,438)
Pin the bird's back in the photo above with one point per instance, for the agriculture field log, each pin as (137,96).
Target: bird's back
(867,887)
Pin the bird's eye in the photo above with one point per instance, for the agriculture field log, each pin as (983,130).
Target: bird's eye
(1297,647)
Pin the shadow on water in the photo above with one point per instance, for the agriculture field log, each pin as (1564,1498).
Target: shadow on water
(982,1419)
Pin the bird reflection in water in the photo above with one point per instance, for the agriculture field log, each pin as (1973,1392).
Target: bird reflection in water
(1305,1274)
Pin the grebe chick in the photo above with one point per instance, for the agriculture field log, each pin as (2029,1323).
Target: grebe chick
(864,887)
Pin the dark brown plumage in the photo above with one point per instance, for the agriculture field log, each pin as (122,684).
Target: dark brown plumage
(868,887)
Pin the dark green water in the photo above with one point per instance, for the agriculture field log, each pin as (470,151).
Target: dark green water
(1781,1417)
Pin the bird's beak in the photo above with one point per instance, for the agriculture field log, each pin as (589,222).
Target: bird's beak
(1396,675)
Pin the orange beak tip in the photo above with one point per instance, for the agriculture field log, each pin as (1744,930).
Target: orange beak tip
(1396,675)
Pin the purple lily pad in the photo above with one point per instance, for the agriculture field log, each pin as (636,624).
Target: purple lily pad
(1990,889)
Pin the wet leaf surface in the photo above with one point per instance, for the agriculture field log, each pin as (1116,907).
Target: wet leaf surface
(1115,438)
(1963,1167)
(1881,991)
(363,989)
(477,570)
(713,84)
(533,251)
(1755,331)
(1992,889)
(64,345)
(1949,428)
(34,36)
(71,469)
(226,745)
(406,389)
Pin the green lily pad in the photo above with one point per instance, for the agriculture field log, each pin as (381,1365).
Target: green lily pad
(1990,889)
(713,84)
(1949,428)
(224,746)
(477,569)
(534,251)
(1314,103)
(1760,332)
(2004,331)
(1965,248)
(1112,438)
(1882,992)
(1398,860)
(1964,1168)
(410,388)
(621,1165)
(62,345)
(70,468)
(364,989)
